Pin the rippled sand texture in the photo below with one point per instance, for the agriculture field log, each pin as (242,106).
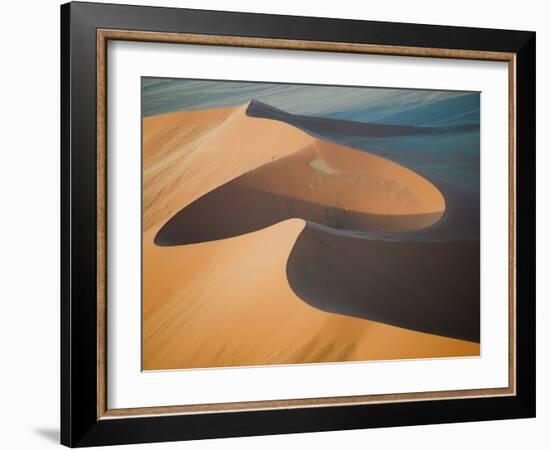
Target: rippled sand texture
(253,252)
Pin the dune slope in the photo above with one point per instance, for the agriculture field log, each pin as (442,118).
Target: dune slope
(188,154)
(229,303)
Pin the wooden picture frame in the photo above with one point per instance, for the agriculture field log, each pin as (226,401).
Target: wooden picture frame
(86,419)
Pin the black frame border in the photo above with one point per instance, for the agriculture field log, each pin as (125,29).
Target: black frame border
(79,423)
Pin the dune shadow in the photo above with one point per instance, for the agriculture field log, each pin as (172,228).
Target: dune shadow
(432,287)
(323,126)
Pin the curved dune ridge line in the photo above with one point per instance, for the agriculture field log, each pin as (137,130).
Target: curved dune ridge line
(323,182)
(229,302)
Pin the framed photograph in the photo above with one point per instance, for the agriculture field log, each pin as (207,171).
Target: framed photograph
(276,224)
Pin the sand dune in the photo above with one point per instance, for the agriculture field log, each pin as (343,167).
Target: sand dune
(226,299)
(229,303)
(324,183)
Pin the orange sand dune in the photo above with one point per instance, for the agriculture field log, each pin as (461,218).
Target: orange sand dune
(228,302)
(323,183)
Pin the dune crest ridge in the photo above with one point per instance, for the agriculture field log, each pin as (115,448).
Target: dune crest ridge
(322,182)
(322,125)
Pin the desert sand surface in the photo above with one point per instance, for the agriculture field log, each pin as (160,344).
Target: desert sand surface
(225,299)
(224,303)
